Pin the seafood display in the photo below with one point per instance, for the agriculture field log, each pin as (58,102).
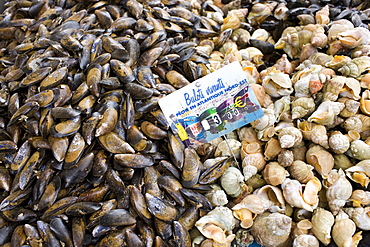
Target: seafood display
(87,157)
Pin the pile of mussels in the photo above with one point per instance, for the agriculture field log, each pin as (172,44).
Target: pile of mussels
(88,159)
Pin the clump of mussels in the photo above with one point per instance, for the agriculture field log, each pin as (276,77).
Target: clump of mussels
(88,159)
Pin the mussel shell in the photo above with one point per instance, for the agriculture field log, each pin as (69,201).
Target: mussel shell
(117,217)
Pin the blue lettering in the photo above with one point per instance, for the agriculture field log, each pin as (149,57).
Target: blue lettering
(196,96)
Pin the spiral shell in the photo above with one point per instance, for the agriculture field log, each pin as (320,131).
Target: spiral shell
(306,240)
(314,132)
(326,112)
(360,173)
(217,196)
(290,137)
(218,225)
(354,37)
(274,173)
(338,193)
(365,102)
(356,67)
(361,217)
(263,98)
(277,83)
(247,210)
(344,233)
(232,181)
(272,149)
(320,159)
(360,198)
(350,107)
(292,191)
(271,230)
(322,222)
(274,198)
(301,171)
(285,158)
(223,148)
(360,150)
(338,142)
(302,106)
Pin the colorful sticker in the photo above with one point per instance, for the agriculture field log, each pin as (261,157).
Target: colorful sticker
(211,106)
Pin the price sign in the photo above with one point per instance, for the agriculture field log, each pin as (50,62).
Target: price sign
(211,106)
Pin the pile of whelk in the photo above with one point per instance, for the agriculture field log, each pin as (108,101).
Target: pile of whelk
(88,158)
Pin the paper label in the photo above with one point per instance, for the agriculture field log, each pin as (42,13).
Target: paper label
(211,106)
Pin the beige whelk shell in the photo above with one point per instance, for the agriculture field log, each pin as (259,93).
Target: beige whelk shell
(353,123)
(282,109)
(343,233)
(306,240)
(217,196)
(351,107)
(361,217)
(338,193)
(218,225)
(302,106)
(360,173)
(301,171)
(365,102)
(322,221)
(354,37)
(273,198)
(277,83)
(284,65)
(252,54)
(314,132)
(260,34)
(360,150)
(360,198)
(292,191)
(285,158)
(248,134)
(326,112)
(320,159)
(322,16)
(271,229)
(289,137)
(338,62)
(337,27)
(253,159)
(356,67)
(274,174)
(272,149)
(263,98)
(338,142)
(333,87)
(247,210)
(352,89)
(232,181)
(223,148)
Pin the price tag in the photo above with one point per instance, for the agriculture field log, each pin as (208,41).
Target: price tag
(211,106)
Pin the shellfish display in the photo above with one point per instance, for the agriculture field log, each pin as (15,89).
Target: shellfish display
(87,157)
